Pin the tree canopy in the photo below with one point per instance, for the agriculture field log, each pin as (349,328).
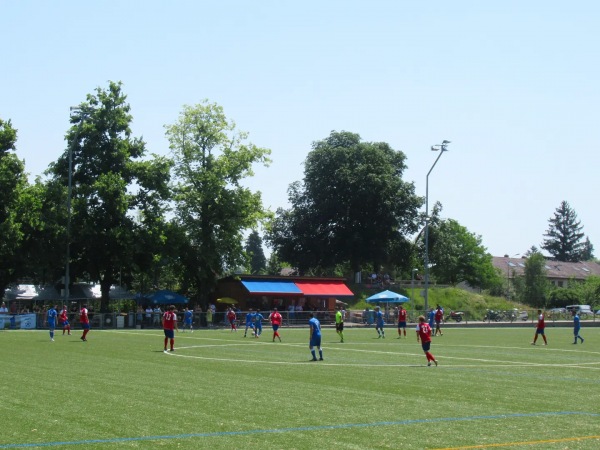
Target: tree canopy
(352,206)
(212,207)
(116,195)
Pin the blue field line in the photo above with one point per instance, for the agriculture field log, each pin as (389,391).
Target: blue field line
(296,429)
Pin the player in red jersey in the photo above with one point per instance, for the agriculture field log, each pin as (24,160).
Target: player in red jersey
(539,329)
(275,319)
(438,317)
(84,320)
(401,321)
(64,320)
(424,336)
(232,319)
(169,323)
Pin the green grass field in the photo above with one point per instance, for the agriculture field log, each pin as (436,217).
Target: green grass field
(222,391)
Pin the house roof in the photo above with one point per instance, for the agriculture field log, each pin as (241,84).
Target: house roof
(554,269)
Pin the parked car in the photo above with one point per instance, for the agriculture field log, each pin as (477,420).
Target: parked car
(557,311)
(583,310)
(523,315)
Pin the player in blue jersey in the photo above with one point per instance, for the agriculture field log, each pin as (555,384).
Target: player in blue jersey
(576,326)
(52,314)
(249,321)
(258,318)
(379,322)
(315,337)
(188,316)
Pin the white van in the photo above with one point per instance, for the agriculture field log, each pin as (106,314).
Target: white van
(581,309)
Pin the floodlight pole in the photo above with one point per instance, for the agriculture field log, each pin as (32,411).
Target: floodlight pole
(441,148)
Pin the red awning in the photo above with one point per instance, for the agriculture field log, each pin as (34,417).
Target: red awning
(324,288)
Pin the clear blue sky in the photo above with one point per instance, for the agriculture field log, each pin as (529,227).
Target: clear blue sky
(513,84)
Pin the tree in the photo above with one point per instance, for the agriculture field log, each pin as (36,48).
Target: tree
(352,206)
(536,286)
(254,250)
(12,182)
(564,235)
(117,195)
(587,252)
(458,255)
(212,208)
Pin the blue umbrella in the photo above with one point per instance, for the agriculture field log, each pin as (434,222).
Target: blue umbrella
(166,297)
(387,297)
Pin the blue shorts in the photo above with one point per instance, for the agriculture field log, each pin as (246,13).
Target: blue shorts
(258,326)
(315,341)
(188,321)
(65,323)
(51,324)
(539,331)
(275,327)
(426,346)
(169,334)
(379,324)
(85,326)
(576,330)
(401,324)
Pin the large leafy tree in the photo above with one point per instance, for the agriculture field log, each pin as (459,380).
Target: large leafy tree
(564,235)
(117,195)
(12,182)
(458,255)
(212,207)
(254,251)
(351,208)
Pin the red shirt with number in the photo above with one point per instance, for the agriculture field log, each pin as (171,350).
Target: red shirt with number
(83,316)
(169,319)
(402,315)
(424,331)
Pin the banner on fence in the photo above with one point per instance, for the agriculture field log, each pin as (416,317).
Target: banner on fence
(16,321)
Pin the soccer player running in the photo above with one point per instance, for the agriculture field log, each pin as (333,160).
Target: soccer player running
(401,321)
(576,327)
(379,322)
(169,324)
(84,320)
(539,329)
(249,321)
(64,320)
(52,314)
(231,318)
(258,318)
(424,336)
(315,337)
(187,320)
(339,323)
(275,319)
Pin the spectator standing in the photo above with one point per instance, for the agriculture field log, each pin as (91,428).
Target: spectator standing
(149,315)
(315,337)
(156,316)
(3,308)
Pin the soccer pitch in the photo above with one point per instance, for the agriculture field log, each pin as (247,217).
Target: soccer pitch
(220,390)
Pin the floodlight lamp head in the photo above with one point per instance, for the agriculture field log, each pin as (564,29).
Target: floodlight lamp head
(445,142)
(434,148)
(74,108)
